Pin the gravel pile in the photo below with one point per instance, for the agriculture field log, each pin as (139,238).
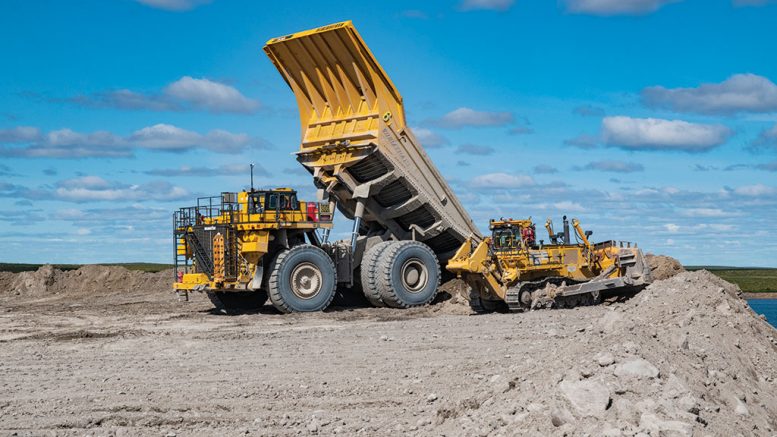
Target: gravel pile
(686,356)
(663,267)
(87,280)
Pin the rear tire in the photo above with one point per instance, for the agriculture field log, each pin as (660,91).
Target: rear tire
(407,275)
(302,279)
(238,300)
(369,267)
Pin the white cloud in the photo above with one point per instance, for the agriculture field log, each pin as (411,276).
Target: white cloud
(672,228)
(185,94)
(173,138)
(756,190)
(494,5)
(428,138)
(66,143)
(210,95)
(658,134)
(738,93)
(502,180)
(615,7)
(463,117)
(222,170)
(769,166)
(706,212)
(613,166)
(766,141)
(545,169)
(474,149)
(569,206)
(94,188)
(20,134)
(583,141)
(174,5)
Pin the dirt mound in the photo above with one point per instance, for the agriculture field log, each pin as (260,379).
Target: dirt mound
(663,267)
(684,357)
(88,279)
(452,298)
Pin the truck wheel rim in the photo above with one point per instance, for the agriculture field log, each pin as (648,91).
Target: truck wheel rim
(414,275)
(306,280)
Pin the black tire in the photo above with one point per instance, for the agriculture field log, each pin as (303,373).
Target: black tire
(370,262)
(407,275)
(312,290)
(238,300)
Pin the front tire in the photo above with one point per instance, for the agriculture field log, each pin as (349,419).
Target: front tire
(407,275)
(302,279)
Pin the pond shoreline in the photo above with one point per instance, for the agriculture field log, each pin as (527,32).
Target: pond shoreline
(763,295)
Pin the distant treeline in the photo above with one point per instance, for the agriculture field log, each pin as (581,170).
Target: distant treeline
(750,280)
(145,267)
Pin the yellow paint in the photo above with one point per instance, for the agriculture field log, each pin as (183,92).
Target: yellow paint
(218,258)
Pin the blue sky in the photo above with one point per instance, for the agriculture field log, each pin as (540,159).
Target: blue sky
(649,120)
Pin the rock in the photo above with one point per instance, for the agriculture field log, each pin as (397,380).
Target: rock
(605,359)
(588,397)
(431,398)
(610,431)
(724,308)
(656,426)
(637,367)
(560,417)
(741,408)
(609,321)
(682,341)
(535,407)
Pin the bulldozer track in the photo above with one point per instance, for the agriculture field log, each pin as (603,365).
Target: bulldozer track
(517,303)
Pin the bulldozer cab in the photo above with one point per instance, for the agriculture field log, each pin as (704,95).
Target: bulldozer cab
(512,235)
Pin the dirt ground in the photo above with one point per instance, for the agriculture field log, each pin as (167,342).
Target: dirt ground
(683,357)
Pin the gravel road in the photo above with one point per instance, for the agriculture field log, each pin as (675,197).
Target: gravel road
(144,364)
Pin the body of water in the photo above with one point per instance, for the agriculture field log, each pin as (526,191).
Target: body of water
(767,307)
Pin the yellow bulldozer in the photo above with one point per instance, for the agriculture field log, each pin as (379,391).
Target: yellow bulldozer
(512,270)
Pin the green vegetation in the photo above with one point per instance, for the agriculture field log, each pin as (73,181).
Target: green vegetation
(751,280)
(145,267)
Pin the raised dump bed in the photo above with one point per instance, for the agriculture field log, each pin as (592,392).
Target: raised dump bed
(357,145)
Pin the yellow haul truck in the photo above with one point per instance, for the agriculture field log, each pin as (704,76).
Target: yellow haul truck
(512,270)
(366,163)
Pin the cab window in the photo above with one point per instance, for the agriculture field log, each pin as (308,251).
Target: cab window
(272,201)
(255,204)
